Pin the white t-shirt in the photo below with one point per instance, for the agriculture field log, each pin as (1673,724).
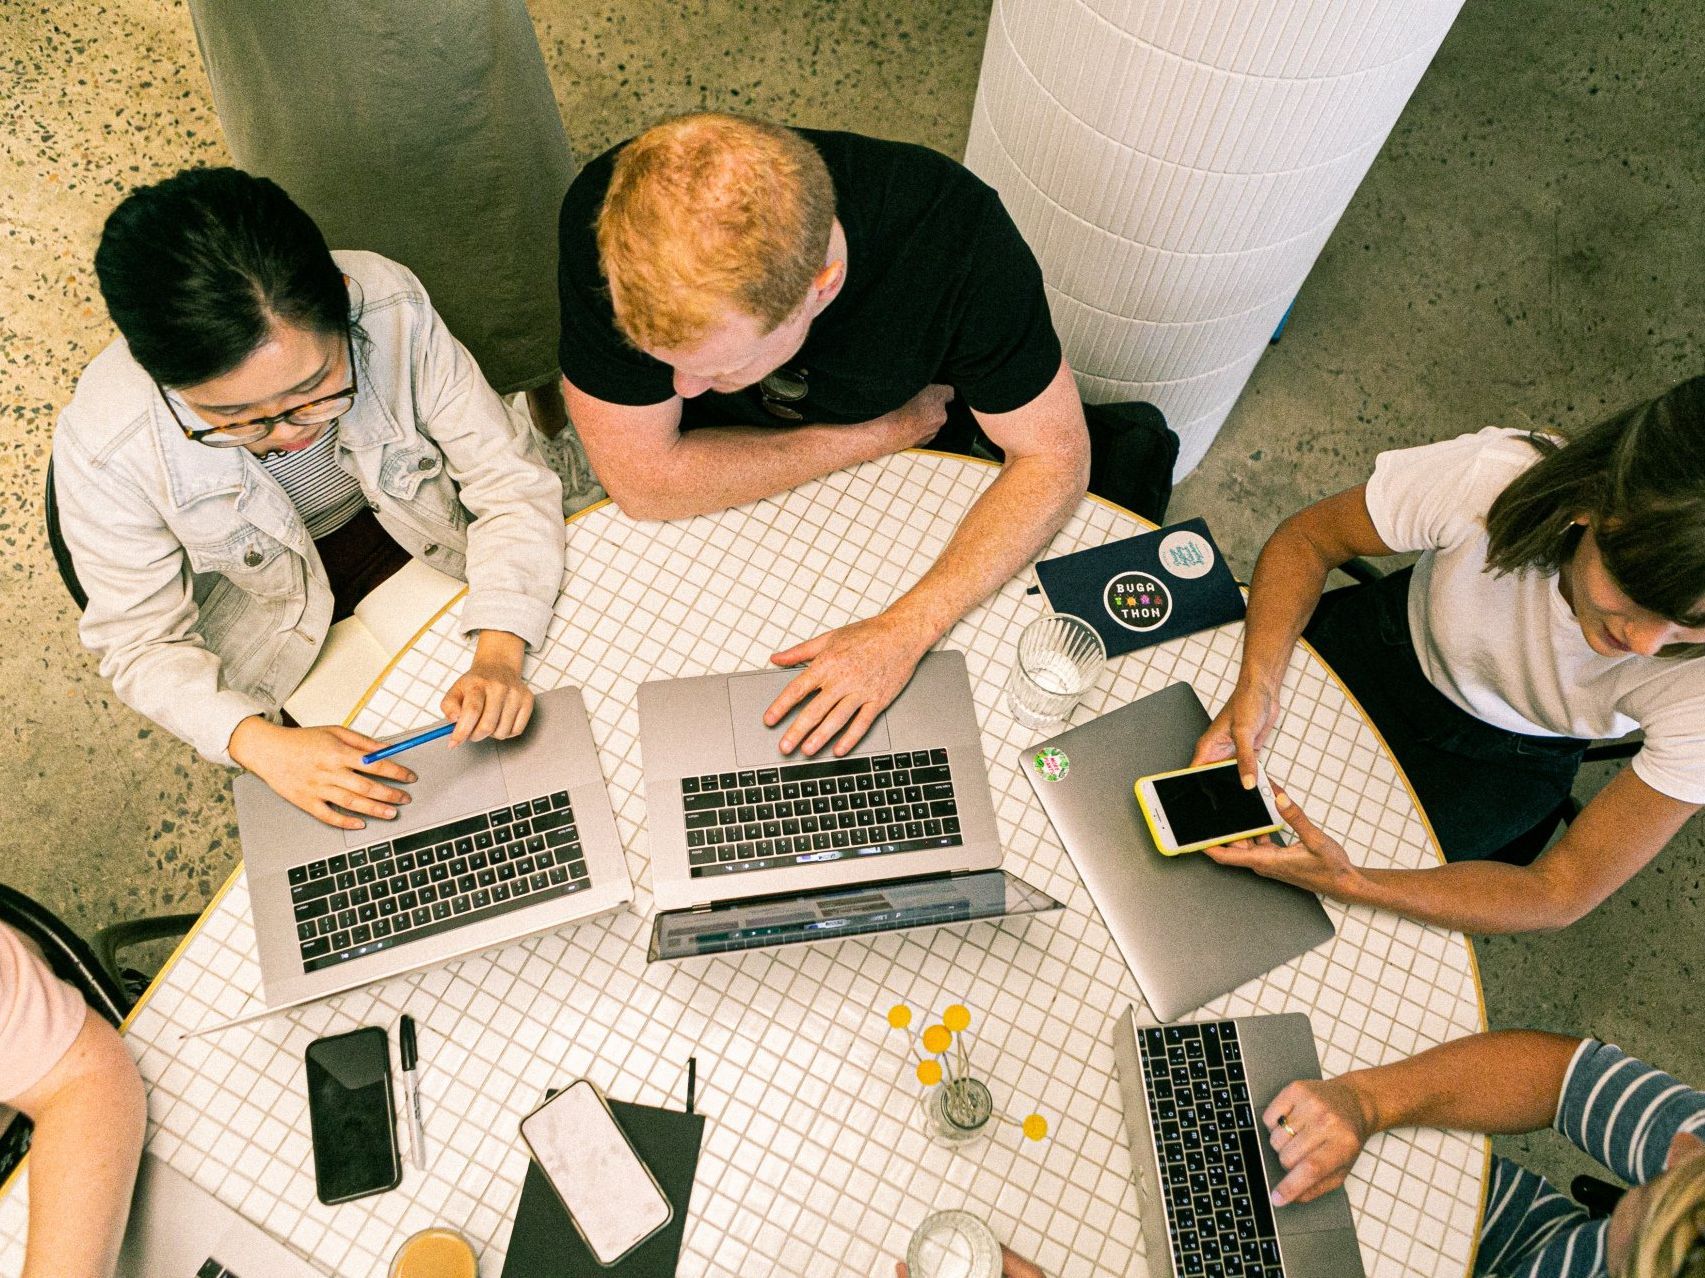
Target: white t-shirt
(1508,649)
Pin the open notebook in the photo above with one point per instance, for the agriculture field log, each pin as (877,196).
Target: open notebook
(358,648)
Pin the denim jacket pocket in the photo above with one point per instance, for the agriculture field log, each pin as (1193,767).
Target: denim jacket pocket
(253,562)
(404,467)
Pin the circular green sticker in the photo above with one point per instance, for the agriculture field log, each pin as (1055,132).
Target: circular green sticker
(1051,764)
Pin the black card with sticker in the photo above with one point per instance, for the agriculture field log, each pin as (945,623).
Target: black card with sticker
(1145,589)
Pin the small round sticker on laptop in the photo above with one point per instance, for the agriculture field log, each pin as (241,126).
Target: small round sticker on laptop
(1186,554)
(1137,600)
(1051,764)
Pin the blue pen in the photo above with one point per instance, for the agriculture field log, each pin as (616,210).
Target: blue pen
(409,743)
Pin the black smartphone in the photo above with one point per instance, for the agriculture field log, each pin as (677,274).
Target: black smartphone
(352,1116)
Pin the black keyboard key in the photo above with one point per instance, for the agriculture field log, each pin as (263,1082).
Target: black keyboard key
(312,888)
(298,875)
(689,785)
(552,821)
(702,802)
(442,834)
(311,909)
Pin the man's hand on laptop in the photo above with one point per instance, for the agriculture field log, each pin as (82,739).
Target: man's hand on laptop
(850,676)
(315,768)
(1314,860)
(490,700)
(1317,1127)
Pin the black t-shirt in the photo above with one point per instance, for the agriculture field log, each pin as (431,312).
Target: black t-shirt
(940,288)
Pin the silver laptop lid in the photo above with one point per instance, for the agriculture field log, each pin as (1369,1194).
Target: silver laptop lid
(176,1227)
(713,726)
(1189,928)
(838,913)
(555,754)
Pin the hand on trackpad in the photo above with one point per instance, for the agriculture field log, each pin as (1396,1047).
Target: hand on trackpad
(756,745)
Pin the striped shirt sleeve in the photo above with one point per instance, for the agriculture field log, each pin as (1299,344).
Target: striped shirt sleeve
(1615,1109)
(1625,1113)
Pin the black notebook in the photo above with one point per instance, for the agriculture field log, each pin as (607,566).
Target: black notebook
(1145,589)
(544,1242)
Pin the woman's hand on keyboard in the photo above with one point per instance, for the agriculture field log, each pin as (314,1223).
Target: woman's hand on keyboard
(1317,1127)
(317,768)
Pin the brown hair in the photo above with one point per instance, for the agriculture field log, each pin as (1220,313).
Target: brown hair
(1639,478)
(709,211)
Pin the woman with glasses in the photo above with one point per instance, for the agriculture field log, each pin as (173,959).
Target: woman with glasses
(279,429)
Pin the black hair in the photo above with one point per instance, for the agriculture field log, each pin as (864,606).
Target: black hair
(196,269)
(1639,478)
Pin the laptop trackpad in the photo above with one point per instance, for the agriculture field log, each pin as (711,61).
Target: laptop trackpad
(452,784)
(756,746)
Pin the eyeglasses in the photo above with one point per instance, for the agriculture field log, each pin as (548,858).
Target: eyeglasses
(328,408)
(781,390)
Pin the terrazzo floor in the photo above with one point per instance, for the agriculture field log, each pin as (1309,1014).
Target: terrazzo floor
(1525,250)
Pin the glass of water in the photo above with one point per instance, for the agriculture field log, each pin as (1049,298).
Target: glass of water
(1059,659)
(953,1244)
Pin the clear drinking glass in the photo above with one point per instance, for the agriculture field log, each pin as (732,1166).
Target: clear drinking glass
(953,1244)
(1059,659)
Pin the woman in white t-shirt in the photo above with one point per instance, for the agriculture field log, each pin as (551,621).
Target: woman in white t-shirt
(1559,598)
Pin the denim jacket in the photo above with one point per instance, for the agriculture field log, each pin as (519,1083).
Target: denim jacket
(207,599)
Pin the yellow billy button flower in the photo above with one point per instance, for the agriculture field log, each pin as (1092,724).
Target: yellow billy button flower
(937,1039)
(957,1018)
(899,1016)
(929,1073)
(1035,1127)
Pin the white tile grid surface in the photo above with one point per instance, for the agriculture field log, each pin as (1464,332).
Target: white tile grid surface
(815,1162)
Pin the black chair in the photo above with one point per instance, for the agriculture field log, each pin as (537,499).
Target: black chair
(61,552)
(1522,849)
(92,969)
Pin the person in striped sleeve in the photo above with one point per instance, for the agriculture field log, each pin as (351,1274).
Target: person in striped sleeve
(1637,1121)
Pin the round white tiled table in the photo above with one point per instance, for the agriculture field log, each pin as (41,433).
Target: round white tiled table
(814,1161)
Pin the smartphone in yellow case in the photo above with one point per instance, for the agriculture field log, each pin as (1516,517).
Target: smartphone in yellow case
(1194,808)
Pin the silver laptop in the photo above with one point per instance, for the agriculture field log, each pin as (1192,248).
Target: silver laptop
(503,839)
(179,1230)
(716,783)
(1189,928)
(816,918)
(1193,1096)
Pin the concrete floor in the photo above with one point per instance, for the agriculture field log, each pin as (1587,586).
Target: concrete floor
(1525,250)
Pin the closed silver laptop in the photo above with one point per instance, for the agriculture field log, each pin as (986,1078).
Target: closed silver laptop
(502,839)
(730,817)
(179,1230)
(1193,1096)
(1189,928)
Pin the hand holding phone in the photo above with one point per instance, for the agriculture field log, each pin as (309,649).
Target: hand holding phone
(610,1194)
(1195,808)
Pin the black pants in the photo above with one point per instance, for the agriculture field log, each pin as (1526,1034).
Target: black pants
(358,557)
(1482,787)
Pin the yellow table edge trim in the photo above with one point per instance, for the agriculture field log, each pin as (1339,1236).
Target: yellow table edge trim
(361,704)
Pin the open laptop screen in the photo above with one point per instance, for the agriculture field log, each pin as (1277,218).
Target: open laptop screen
(827,916)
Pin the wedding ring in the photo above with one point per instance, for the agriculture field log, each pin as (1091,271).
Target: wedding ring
(1285,1122)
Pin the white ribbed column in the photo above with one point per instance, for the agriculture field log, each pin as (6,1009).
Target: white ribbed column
(1177,166)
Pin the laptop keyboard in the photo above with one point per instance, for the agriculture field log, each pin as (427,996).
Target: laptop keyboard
(828,810)
(1214,1186)
(357,903)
